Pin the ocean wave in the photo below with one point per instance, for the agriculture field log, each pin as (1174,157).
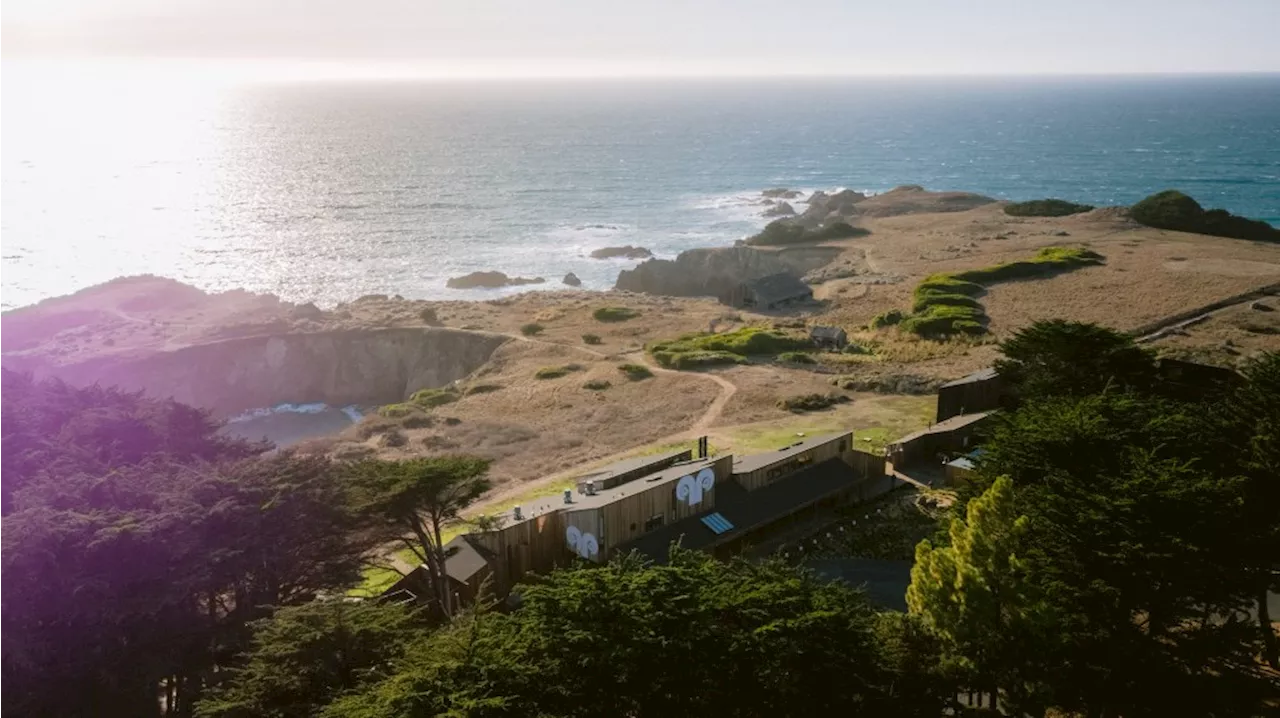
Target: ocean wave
(313,408)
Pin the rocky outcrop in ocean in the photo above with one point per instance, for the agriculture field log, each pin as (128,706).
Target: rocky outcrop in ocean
(572,280)
(781,209)
(628,252)
(489,280)
(714,272)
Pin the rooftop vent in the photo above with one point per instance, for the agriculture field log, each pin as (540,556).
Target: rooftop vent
(568,496)
(517,514)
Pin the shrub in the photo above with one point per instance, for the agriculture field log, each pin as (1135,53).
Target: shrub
(748,341)
(597,385)
(855,348)
(555,372)
(635,372)
(785,231)
(889,384)
(394,438)
(697,359)
(614,314)
(397,411)
(371,426)
(483,388)
(1174,210)
(417,421)
(531,329)
(888,319)
(924,301)
(429,316)
(947,284)
(431,398)
(591,339)
(811,402)
(1045,208)
(797,358)
(942,320)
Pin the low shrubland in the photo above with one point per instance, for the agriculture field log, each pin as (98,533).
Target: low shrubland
(811,402)
(702,349)
(635,372)
(614,314)
(946,304)
(1045,208)
(431,398)
(597,385)
(1174,210)
(797,358)
(531,329)
(483,388)
(555,372)
(591,339)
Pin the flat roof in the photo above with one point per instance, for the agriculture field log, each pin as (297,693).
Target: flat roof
(751,462)
(980,375)
(544,505)
(956,422)
(748,510)
(640,485)
(628,465)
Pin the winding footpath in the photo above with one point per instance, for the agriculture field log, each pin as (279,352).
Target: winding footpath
(709,417)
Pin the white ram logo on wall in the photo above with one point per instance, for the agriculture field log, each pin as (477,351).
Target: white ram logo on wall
(691,488)
(585,545)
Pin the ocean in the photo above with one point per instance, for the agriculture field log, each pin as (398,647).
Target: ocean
(326,191)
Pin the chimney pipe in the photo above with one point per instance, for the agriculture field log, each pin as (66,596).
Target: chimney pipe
(515,514)
(568,496)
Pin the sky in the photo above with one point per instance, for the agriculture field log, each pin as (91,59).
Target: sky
(664,37)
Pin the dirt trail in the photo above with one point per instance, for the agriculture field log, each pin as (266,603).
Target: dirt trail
(712,413)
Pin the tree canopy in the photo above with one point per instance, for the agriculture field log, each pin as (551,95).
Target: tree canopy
(1058,358)
(692,638)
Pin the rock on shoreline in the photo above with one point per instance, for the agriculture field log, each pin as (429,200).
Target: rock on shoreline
(628,252)
(489,280)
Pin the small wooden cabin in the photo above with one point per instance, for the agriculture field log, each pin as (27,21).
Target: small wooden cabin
(833,338)
(957,434)
(980,391)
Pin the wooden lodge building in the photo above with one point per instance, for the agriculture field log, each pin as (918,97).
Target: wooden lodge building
(719,504)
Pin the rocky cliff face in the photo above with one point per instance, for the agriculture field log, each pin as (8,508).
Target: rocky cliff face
(374,366)
(713,272)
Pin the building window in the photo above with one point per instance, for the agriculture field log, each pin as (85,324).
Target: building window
(654,522)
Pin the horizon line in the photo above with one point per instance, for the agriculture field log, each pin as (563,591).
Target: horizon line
(321,69)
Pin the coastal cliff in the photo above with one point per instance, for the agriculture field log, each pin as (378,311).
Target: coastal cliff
(713,272)
(373,366)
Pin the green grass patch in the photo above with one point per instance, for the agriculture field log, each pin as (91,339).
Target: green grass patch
(697,359)
(591,339)
(483,388)
(555,372)
(614,314)
(702,349)
(946,304)
(431,398)
(635,372)
(1045,208)
(597,385)
(1050,260)
(531,329)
